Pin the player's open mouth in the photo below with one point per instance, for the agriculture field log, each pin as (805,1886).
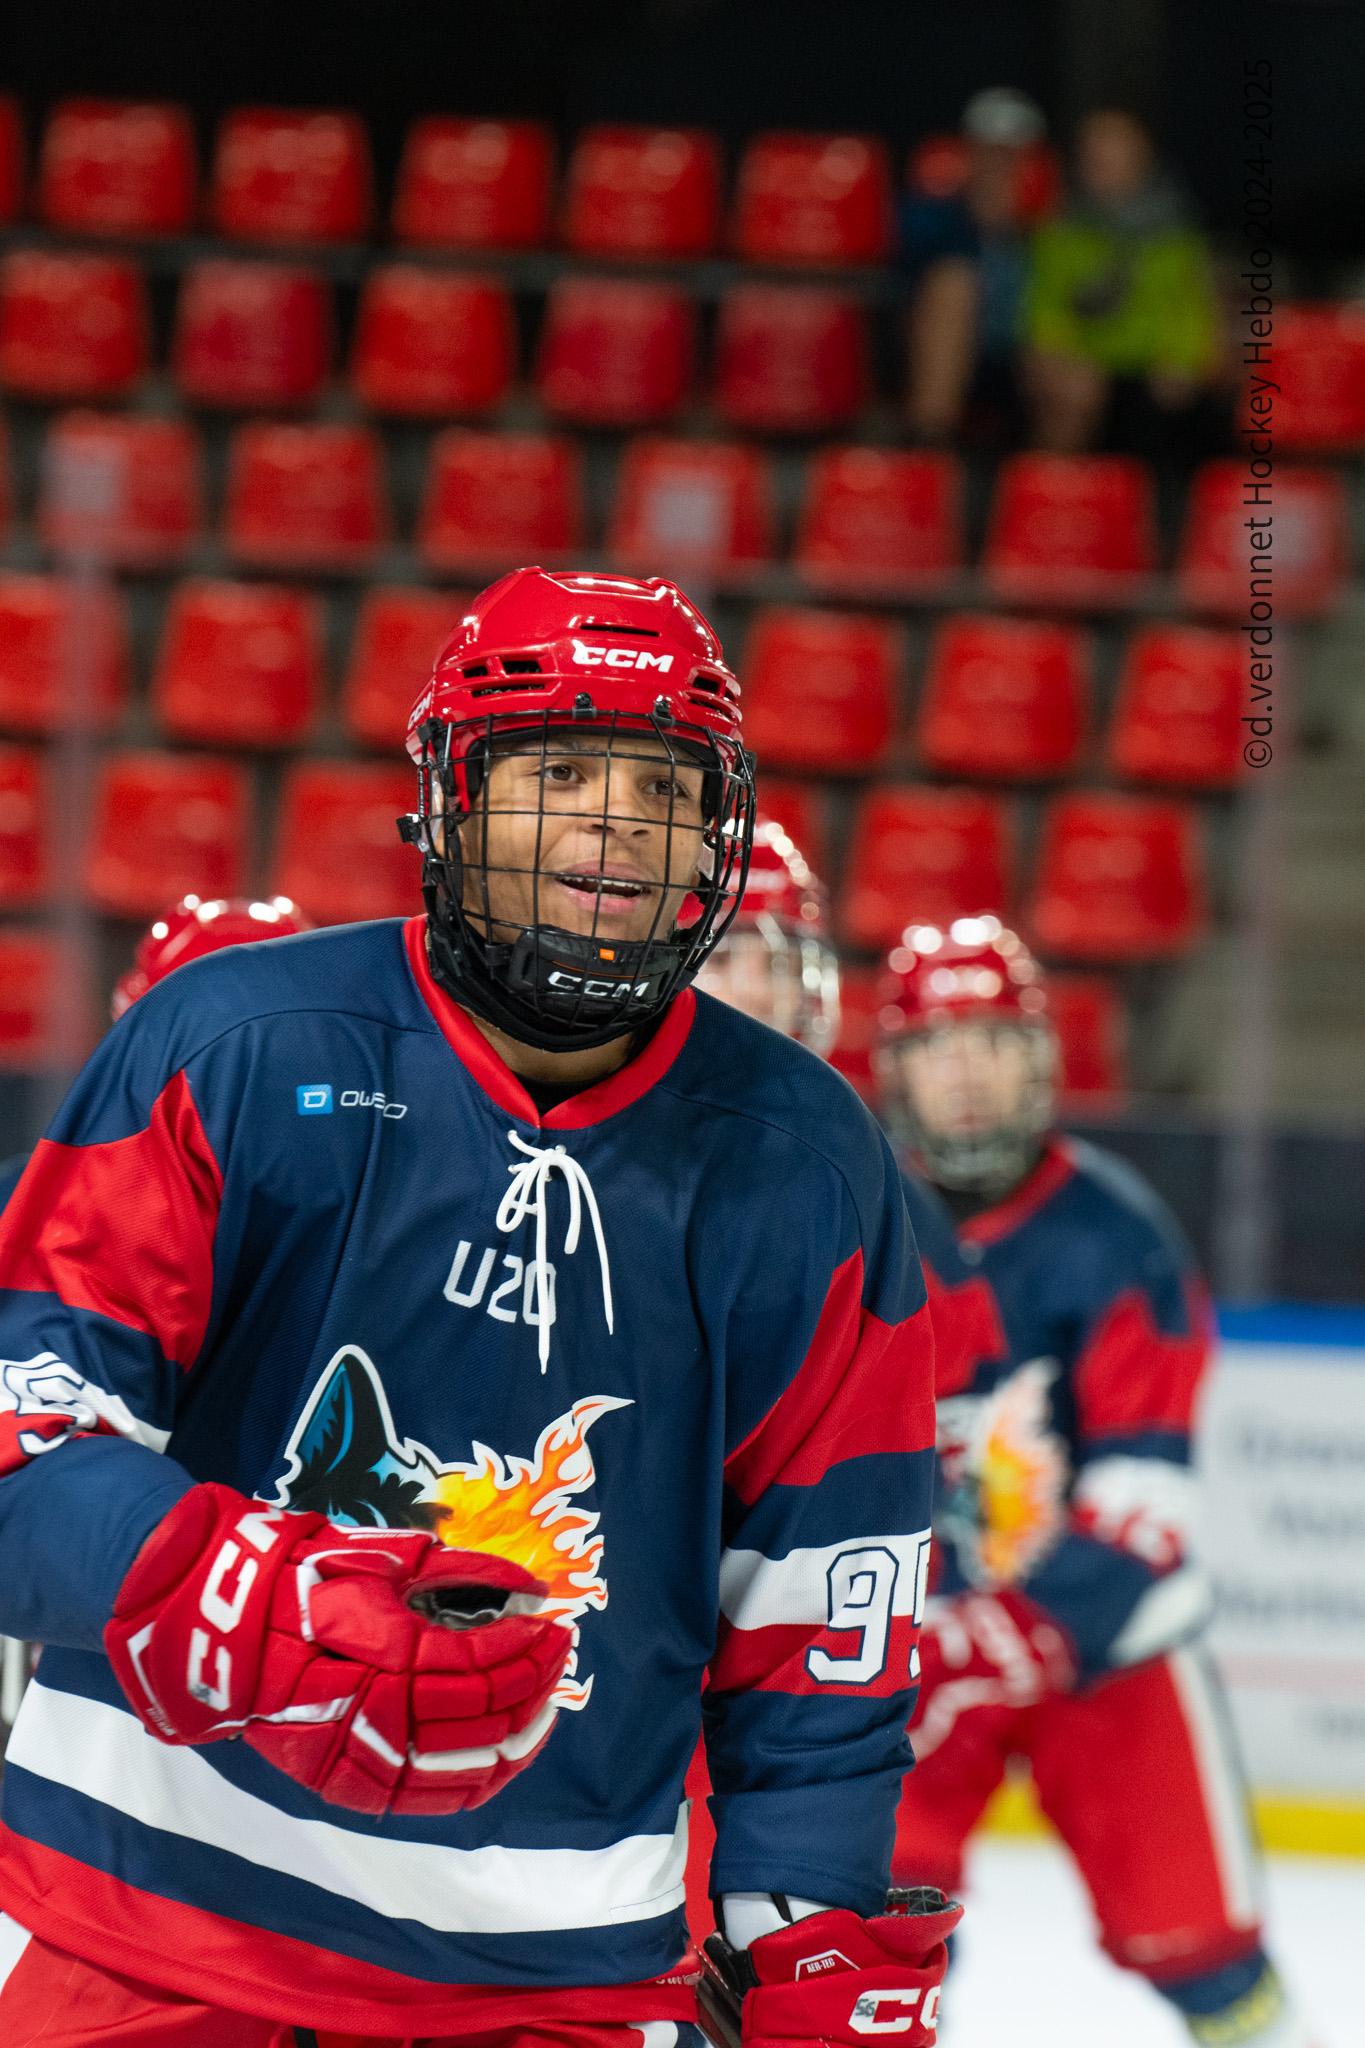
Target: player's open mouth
(612,897)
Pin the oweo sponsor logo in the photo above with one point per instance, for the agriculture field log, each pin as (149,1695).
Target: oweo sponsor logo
(587,656)
(356,1098)
(222,1604)
(895,2012)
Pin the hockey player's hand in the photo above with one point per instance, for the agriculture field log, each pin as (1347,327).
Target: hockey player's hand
(833,1978)
(985,1650)
(384,1671)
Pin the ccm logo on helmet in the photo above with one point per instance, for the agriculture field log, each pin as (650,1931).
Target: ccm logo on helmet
(893,2012)
(586,656)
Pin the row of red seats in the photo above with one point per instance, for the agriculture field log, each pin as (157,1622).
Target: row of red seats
(240,664)
(1065,530)
(1118,877)
(613,352)
(110,167)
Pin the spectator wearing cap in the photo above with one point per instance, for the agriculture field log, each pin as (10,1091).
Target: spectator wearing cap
(964,258)
(1120,310)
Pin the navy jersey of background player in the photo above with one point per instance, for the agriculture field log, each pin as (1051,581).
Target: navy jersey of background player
(285,1231)
(1072,1332)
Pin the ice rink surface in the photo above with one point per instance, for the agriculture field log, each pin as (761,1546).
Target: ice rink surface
(1028,1975)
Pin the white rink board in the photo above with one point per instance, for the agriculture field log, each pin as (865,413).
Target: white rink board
(1283,1536)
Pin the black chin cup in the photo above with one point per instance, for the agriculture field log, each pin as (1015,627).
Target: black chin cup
(565,974)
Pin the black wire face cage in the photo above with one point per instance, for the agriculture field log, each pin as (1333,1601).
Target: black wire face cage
(543,984)
(990,1161)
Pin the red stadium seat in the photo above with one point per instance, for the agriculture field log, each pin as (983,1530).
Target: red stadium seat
(474,185)
(71,326)
(240,664)
(281,176)
(61,643)
(695,507)
(6,486)
(165,824)
(859,1004)
(496,501)
(1070,530)
(23,851)
(615,353)
(813,199)
(128,489)
(820,689)
(1004,698)
(44,1022)
(1304,570)
(305,497)
(790,359)
(251,334)
(11,161)
(1319,406)
(799,808)
(880,522)
(432,344)
(1182,698)
(117,167)
(920,856)
(397,637)
(1119,878)
(1087,1014)
(338,847)
(642,192)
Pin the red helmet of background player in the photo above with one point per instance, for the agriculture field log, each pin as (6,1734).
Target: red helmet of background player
(967,1053)
(777,962)
(538,653)
(195,927)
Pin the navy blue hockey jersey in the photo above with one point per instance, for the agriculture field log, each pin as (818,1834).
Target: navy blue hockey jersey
(299,1229)
(1072,1334)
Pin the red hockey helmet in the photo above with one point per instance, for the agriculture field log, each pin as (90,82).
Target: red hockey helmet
(967,1054)
(635,664)
(194,928)
(777,962)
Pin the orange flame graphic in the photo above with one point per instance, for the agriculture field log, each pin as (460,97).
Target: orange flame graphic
(520,1508)
(1020,1472)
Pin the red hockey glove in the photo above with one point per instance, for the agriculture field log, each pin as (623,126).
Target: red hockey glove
(833,1978)
(375,1666)
(985,1650)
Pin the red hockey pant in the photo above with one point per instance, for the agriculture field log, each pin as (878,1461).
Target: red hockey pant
(1140,1778)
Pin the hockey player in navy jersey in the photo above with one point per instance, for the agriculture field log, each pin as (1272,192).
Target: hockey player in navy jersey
(425,1350)
(1072,1336)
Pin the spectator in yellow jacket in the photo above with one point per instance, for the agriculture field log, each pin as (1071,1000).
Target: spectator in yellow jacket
(1121,315)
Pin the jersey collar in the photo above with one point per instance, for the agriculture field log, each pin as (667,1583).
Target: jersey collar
(1052,1172)
(595,1104)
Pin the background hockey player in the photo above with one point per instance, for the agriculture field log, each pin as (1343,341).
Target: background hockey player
(1073,1334)
(190,929)
(471,1271)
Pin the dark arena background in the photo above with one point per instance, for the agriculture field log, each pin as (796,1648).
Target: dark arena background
(763,297)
